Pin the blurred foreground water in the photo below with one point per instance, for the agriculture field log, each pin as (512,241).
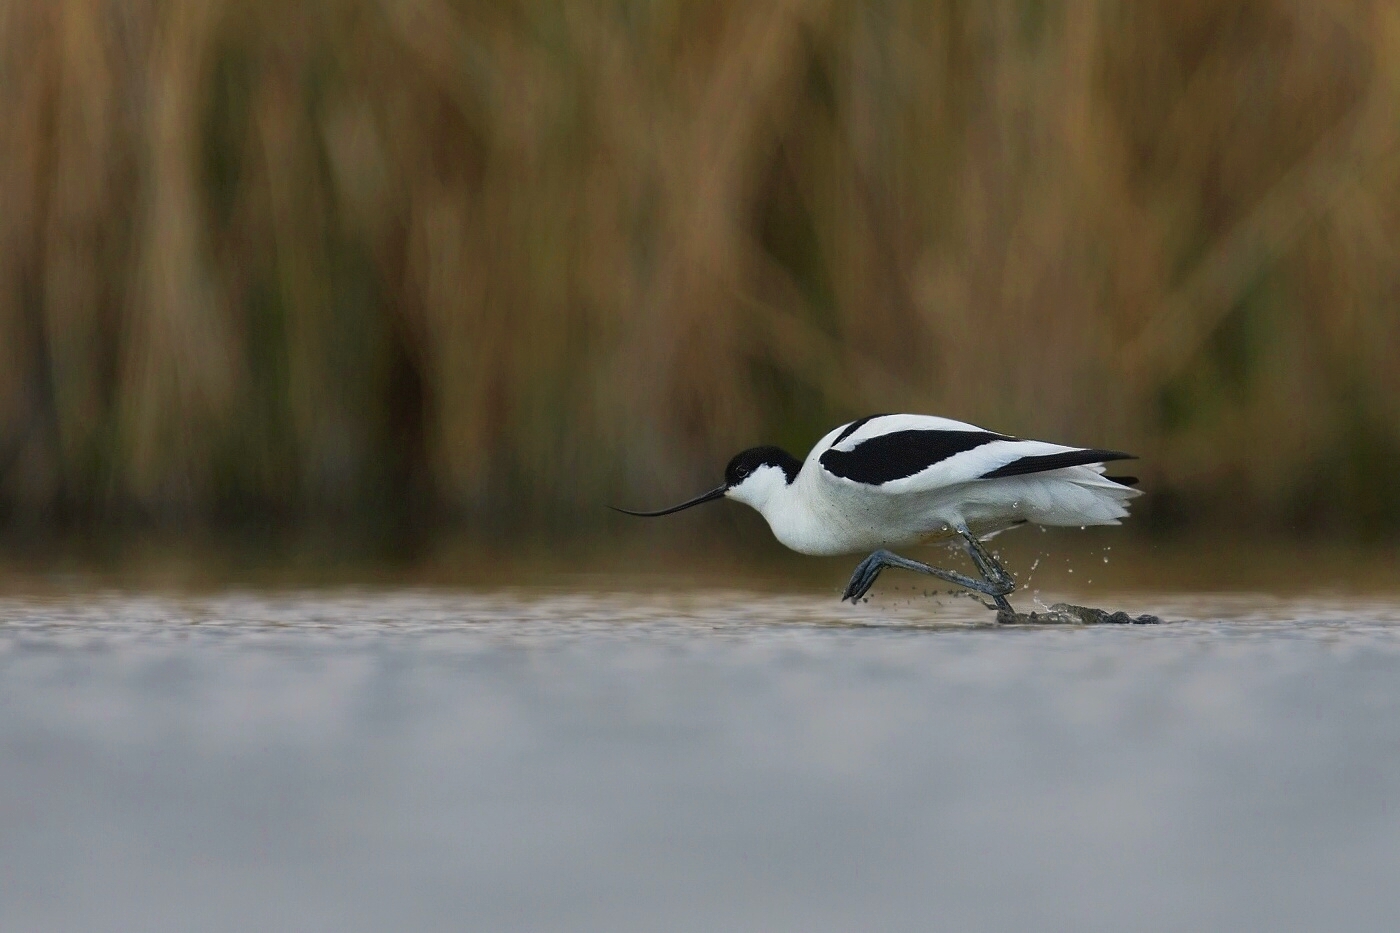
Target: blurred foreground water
(550,760)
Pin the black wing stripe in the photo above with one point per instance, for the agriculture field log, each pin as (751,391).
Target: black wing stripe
(899,454)
(853,427)
(1058,461)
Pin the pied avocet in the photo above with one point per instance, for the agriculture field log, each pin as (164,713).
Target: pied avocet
(899,480)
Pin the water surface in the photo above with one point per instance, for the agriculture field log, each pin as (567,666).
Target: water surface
(535,760)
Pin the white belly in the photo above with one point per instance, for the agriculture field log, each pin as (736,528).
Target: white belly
(815,521)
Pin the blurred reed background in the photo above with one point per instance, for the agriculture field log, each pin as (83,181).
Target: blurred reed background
(486,264)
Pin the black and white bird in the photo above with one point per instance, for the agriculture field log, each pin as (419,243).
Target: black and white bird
(891,481)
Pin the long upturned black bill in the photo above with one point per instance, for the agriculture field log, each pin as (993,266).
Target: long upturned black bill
(716,493)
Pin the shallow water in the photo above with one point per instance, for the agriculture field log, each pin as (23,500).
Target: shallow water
(404,760)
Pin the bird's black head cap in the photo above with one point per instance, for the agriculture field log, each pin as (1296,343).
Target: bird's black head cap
(749,460)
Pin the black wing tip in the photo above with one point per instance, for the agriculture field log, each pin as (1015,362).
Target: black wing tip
(1104,456)
(1123,480)
(1046,462)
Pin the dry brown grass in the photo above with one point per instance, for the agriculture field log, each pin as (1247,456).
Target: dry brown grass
(324,259)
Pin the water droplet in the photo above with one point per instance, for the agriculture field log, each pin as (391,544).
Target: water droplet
(1071,570)
(1105,559)
(1035,563)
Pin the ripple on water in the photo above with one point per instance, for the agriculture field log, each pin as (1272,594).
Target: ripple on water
(359,613)
(420,760)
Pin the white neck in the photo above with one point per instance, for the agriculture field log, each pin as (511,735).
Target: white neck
(788,509)
(760,489)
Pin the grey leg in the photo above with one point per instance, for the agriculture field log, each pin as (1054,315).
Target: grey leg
(866,572)
(990,569)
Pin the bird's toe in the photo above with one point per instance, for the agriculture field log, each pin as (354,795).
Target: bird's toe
(862,580)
